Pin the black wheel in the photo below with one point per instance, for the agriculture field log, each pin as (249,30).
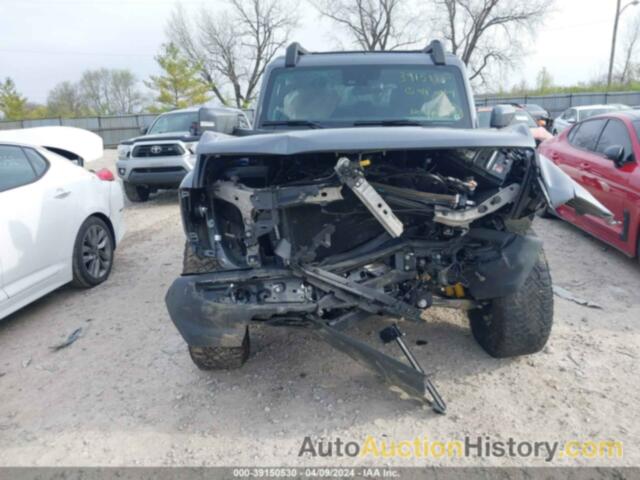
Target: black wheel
(92,253)
(193,264)
(519,324)
(136,193)
(213,357)
(221,358)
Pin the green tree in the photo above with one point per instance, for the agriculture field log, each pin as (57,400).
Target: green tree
(35,111)
(12,104)
(179,86)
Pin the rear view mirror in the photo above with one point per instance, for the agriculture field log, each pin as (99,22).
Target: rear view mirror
(219,120)
(502,116)
(615,153)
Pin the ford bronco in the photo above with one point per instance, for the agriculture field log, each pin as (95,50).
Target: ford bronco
(365,188)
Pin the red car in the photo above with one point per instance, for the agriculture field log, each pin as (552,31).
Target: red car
(602,154)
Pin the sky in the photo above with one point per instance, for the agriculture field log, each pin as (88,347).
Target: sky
(43,42)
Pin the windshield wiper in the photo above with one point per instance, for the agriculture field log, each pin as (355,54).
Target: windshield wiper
(292,123)
(401,122)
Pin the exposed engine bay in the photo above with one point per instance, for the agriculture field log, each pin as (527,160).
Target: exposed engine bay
(326,239)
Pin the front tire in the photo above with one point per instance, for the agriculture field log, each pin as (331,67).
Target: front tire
(92,253)
(136,193)
(520,323)
(221,358)
(213,357)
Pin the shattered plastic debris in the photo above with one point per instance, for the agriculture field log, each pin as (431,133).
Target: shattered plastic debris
(70,339)
(567,295)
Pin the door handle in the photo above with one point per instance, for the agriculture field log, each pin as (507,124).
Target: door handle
(61,193)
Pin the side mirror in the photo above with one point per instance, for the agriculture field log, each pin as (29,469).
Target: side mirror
(571,120)
(502,116)
(219,120)
(144,130)
(615,153)
(194,129)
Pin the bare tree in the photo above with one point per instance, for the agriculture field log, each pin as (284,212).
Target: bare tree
(486,33)
(372,24)
(631,44)
(125,95)
(65,100)
(235,46)
(109,92)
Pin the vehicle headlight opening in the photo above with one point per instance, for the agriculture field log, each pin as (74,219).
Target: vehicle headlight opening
(124,152)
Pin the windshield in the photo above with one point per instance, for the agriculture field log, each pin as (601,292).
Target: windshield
(522,116)
(592,112)
(532,107)
(358,94)
(173,122)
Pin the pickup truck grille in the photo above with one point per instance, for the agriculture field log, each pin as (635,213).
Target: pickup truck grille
(159,170)
(161,150)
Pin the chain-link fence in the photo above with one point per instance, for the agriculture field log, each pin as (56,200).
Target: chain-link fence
(112,129)
(556,104)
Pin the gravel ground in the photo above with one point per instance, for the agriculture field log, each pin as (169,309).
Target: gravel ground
(126,393)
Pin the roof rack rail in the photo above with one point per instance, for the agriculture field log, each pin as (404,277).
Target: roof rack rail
(295,50)
(436,50)
(293,54)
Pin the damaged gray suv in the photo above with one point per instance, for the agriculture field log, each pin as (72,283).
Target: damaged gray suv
(365,188)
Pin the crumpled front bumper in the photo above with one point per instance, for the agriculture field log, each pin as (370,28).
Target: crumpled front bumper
(214,309)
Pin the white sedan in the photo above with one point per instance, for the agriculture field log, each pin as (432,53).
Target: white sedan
(59,223)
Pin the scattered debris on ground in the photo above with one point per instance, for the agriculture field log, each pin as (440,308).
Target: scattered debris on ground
(567,295)
(75,335)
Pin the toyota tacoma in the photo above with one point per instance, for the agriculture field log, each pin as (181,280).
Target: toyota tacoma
(165,153)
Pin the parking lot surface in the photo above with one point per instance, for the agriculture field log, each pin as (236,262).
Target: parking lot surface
(126,392)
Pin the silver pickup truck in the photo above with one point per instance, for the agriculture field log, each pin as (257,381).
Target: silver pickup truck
(165,152)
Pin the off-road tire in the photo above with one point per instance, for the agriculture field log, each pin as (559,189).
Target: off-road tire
(213,358)
(221,358)
(193,264)
(83,277)
(136,193)
(518,324)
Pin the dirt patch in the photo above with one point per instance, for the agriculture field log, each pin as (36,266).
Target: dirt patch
(126,393)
